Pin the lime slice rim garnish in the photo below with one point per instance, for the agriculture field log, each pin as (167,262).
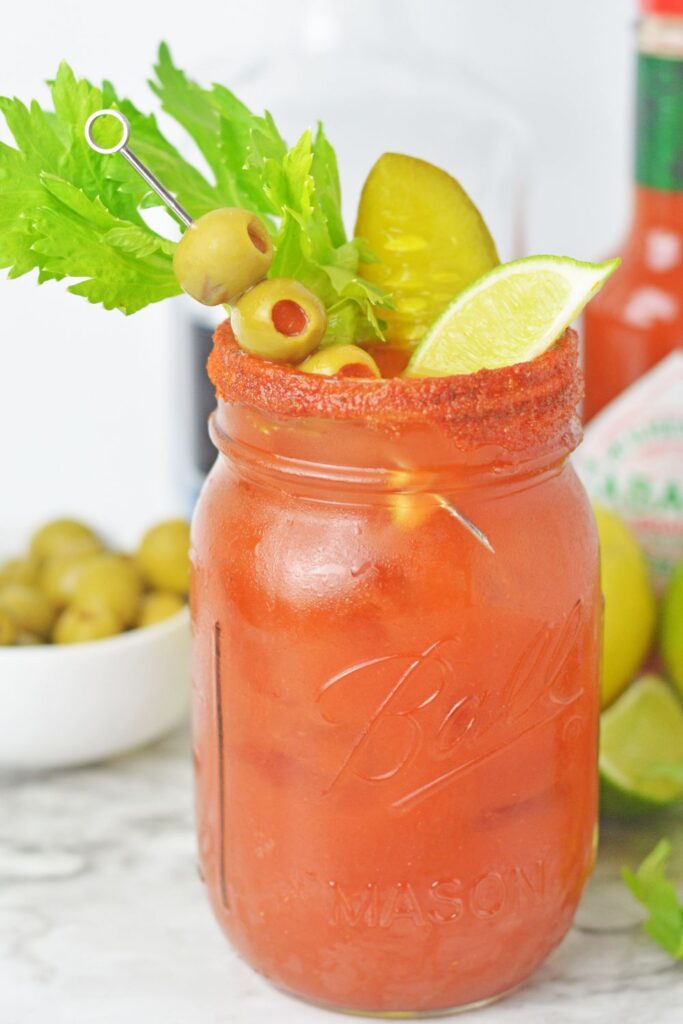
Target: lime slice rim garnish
(584,279)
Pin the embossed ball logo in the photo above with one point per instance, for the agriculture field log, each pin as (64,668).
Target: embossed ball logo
(421,722)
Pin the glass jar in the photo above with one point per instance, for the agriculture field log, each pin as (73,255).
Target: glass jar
(396,616)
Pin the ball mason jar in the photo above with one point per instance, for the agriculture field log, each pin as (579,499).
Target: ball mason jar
(396,637)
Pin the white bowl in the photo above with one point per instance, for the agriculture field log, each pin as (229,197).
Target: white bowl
(63,706)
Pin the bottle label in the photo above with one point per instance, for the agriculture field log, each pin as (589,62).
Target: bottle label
(659,132)
(631,460)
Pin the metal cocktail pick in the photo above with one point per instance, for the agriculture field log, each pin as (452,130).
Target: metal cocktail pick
(183,216)
(134,161)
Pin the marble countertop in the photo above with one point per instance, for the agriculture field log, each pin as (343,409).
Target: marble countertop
(103,919)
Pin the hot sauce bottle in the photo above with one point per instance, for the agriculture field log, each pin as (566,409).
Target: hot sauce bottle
(637,320)
(632,456)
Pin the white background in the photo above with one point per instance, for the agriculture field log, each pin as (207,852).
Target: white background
(87,398)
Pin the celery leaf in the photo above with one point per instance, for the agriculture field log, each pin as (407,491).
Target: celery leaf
(651,887)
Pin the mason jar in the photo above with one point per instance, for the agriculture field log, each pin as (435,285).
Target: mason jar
(396,636)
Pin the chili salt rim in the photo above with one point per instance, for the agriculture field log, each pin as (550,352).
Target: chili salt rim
(514,406)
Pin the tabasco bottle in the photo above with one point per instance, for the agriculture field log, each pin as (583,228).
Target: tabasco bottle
(632,456)
(637,319)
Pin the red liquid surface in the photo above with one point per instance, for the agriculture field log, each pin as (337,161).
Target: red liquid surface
(637,318)
(394,729)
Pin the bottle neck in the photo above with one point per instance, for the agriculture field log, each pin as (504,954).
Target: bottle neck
(659,109)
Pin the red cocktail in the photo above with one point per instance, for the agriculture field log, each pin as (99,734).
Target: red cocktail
(395,728)
(395,591)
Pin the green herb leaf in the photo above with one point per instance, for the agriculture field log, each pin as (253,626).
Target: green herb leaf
(71,213)
(188,185)
(297,190)
(62,206)
(234,142)
(122,264)
(656,892)
(327,187)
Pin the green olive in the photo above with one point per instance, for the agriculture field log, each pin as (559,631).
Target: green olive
(79,625)
(29,609)
(279,319)
(8,630)
(341,361)
(110,583)
(19,570)
(221,255)
(60,574)
(158,606)
(26,639)
(62,537)
(163,556)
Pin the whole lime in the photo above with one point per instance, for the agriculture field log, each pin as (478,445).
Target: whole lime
(163,556)
(671,628)
(630,610)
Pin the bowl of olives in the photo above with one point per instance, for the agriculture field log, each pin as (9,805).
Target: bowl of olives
(94,645)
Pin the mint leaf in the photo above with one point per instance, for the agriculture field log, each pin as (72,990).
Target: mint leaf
(656,892)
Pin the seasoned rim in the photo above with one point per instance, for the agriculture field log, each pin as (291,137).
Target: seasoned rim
(510,405)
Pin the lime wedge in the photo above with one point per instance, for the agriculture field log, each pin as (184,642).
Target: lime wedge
(510,315)
(641,733)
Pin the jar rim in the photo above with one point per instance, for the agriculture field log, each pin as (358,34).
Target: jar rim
(534,402)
